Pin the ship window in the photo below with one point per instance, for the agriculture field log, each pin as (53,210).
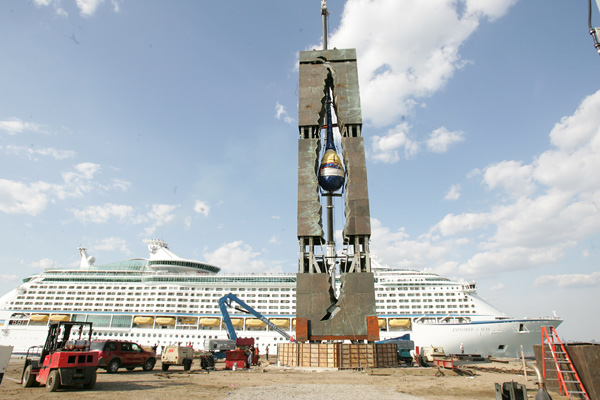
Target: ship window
(501,347)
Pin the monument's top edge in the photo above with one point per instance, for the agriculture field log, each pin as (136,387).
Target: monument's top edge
(332,55)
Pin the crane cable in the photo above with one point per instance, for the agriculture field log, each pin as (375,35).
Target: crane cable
(593,31)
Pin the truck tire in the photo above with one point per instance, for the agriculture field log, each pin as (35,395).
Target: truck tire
(91,383)
(207,361)
(113,366)
(165,367)
(28,379)
(149,364)
(53,381)
(187,364)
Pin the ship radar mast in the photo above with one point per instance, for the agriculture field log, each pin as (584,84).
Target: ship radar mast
(86,261)
(155,244)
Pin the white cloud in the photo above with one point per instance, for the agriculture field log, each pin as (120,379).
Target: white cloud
(13,126)
(453,224)
(32,198)
(578,129)
(275,240)
(397,141)
(569,280)
(238,257)
(453,193)
(397,249)
(440,139)
(510,259)
(201,208)
(550,205)
(160,215)
(387,148)
(8,277)
(22,198)
(119,184)
(56,5)
(492,9)
(43,263)
(498,286)
(101,214)
(81,181)
(585,253)
(87,8)
(515,178)
(281,113)
(111,244)
(413,51)
(31,153)
(116,6)
(78,181)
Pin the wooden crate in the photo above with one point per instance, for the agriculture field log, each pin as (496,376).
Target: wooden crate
(356,355)
(337,355)
(387,355)
(287,353)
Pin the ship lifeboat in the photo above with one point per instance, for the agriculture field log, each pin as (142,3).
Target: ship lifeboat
(381,322)
(165,320)
(255,323)
(60,317)
(281,322)
(399,323)
(209,321)
(39,317)
(188,320)
(143,320)
(237,322)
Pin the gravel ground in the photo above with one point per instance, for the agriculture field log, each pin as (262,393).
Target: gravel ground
(279,383)
(318,391)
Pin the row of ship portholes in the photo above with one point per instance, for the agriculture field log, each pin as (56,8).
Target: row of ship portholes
(160,335)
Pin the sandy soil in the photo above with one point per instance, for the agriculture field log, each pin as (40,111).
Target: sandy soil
(280,383)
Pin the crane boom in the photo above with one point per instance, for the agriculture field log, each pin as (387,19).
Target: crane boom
(226,301)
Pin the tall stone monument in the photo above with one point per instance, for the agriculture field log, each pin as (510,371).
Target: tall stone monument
(329,83)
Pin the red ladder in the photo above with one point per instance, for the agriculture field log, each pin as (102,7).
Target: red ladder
(565,370)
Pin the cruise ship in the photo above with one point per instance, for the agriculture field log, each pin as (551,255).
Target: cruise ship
(166,299)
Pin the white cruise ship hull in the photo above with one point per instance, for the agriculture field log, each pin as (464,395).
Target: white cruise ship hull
(166,299)
(498,338)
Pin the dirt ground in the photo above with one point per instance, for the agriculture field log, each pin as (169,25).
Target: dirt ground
(280,383)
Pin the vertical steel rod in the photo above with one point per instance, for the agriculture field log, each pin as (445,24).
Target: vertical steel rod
(324,15)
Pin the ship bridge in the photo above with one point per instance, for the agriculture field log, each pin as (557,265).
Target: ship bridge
(163,259)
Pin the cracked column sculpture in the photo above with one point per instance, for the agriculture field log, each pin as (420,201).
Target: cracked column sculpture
(331,76)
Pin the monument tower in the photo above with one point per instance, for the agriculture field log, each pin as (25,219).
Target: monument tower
(328,84)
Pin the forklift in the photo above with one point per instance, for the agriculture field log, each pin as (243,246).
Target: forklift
(64,360)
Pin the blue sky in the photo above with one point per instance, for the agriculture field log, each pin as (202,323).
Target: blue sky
(126,120)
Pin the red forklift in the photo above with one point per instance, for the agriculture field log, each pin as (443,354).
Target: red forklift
(65,359)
